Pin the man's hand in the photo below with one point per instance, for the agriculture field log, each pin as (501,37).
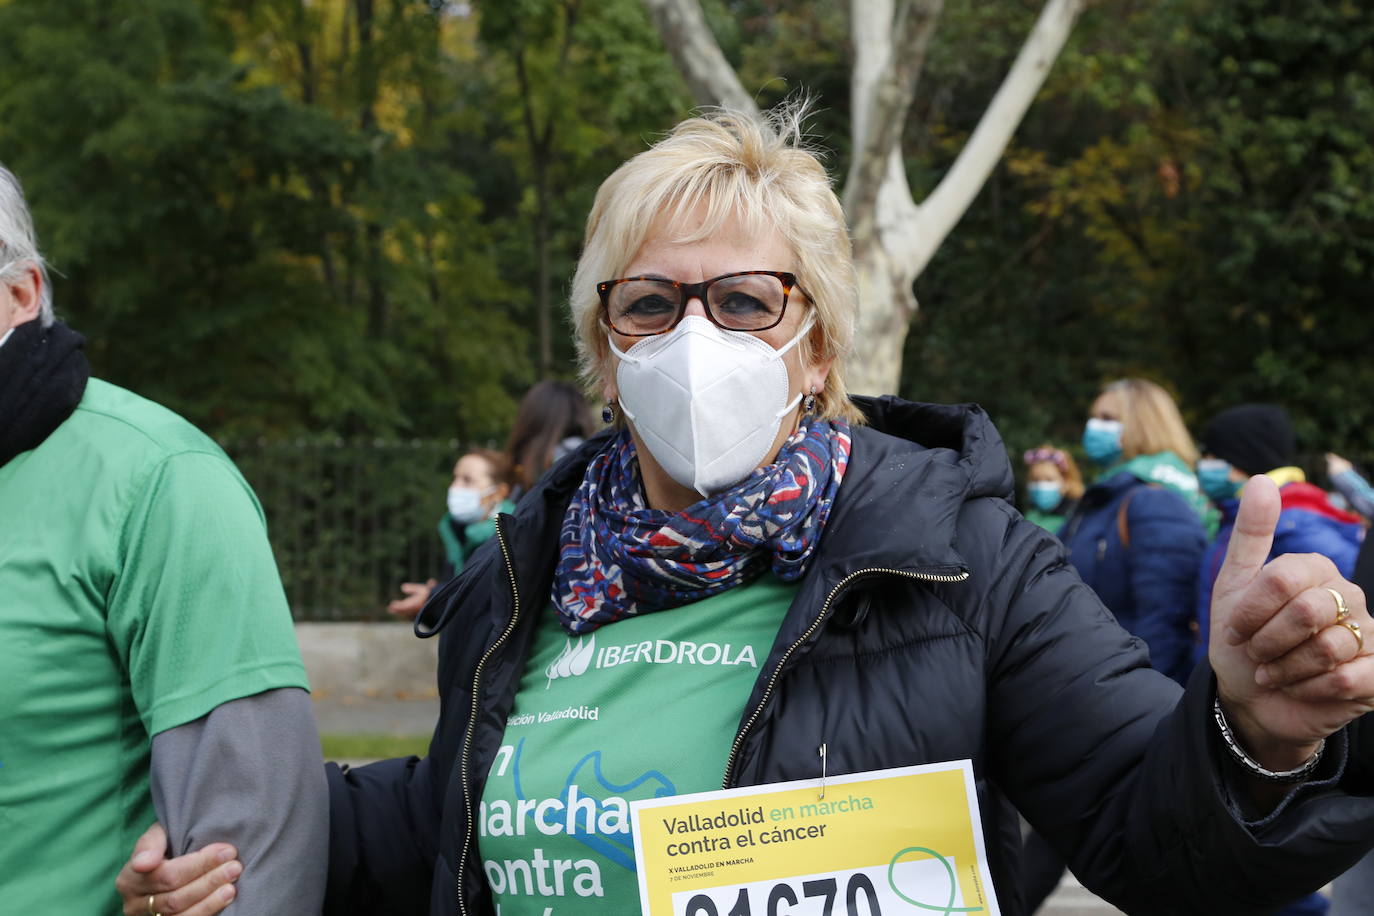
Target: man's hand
(416,594)
(1287,673)
(197,884)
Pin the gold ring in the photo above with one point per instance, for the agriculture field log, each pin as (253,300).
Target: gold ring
(1342,611)
(1354,627)
(152,910)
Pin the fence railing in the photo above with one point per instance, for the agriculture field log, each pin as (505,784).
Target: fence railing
(349,520)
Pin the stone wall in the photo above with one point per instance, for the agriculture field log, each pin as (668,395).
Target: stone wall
(375,660)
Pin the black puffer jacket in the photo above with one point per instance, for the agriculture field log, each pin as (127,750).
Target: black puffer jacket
(933,624)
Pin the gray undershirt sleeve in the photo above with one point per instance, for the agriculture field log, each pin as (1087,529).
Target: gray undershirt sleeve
(250,774)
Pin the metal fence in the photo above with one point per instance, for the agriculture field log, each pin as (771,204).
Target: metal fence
(349,520)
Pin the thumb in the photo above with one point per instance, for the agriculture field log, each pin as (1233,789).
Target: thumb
(150,850)
(1253,536)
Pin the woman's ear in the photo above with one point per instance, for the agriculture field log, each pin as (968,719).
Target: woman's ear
(499,494)
(816,374)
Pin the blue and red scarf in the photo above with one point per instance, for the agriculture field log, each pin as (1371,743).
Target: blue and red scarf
(619,557)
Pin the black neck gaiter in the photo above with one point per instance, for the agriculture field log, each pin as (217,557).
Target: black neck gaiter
(43,375)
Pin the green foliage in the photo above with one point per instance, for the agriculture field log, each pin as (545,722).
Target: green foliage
(288,217)
(1190,200)
(340,218)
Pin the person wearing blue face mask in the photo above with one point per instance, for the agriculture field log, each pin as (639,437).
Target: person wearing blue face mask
(1239,443)
(1136,539)
(1053,487)
(480,489)
(1138,534)
(1251,439)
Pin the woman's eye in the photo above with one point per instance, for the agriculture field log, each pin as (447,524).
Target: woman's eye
(741,304)
(650,305)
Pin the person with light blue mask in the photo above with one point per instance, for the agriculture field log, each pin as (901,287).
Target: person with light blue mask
(480,489)
(1138,534)
(1136,539)
(1053,487)
(1254,439)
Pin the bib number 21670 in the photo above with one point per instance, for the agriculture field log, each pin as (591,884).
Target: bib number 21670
(831,896)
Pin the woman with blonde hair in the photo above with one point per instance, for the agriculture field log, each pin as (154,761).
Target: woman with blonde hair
(882,603)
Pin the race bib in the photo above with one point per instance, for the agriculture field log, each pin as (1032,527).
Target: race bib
(888,842)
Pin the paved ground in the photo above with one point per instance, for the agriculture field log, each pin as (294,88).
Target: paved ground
(1073,900)
(377,714)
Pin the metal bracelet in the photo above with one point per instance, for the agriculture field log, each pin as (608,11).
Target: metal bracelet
(1297,774)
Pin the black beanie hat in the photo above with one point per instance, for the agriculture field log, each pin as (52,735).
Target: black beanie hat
(1254,438)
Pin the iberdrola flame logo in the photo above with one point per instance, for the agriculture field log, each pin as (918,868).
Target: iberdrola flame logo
(572,661)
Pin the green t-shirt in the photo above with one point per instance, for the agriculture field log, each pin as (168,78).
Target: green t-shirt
(643,708)
(137,593)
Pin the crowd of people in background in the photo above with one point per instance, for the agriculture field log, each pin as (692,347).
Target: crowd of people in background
(1151,532)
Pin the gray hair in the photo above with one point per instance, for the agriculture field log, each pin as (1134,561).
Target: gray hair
(18,247)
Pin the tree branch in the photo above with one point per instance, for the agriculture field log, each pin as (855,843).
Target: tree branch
(946,205)
(709,76)
(888,58)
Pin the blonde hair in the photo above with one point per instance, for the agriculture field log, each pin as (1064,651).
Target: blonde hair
(727,165)
(1150,421)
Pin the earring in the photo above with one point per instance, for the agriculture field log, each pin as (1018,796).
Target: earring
(809,404)
(608,413)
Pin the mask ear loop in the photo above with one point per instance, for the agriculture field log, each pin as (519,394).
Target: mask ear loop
(781,351)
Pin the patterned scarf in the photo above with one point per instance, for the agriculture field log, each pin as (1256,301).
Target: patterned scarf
(619,558)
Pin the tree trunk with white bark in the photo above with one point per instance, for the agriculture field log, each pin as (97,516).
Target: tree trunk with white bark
(894,237)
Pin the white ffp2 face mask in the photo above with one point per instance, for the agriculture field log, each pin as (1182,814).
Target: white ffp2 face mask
(6,336)
(707,403)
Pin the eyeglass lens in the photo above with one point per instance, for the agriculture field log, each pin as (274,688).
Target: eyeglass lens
(745,303)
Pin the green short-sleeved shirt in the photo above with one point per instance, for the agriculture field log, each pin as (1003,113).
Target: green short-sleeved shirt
(137,593)
(645,707)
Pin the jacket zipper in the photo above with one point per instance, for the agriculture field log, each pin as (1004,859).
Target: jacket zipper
(815,624)
(472,719)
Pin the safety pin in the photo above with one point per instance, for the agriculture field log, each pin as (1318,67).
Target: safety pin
(822,752)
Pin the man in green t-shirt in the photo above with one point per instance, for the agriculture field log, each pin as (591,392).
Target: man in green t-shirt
(148,667)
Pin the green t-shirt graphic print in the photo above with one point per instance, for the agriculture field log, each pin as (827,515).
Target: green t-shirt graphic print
(645,707)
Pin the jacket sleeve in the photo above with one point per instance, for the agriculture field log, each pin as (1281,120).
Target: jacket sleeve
(383,837)
(1122,772)
(1357,492)
(1301,532)
(1166,549)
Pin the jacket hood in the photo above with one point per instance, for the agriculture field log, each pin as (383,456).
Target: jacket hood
(963,429)
(910,472)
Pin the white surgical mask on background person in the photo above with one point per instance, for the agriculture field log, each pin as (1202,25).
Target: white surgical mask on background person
(465,504)
(706,402)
